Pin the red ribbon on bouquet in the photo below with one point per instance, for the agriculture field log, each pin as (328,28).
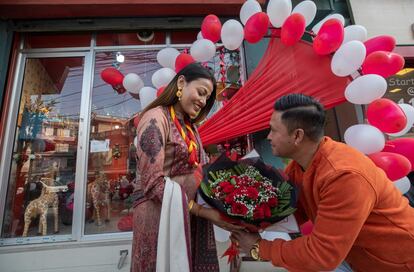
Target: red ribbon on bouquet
(232,252)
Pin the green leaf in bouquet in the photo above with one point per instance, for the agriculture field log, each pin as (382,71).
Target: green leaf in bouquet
(212,175)
(287,212)
(233,181)
(206,189)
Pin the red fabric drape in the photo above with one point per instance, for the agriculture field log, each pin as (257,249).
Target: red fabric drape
(282,70)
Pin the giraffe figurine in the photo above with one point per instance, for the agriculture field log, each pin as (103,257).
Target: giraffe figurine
(99,192)
(40,205)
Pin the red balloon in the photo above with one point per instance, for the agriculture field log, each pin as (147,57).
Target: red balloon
(383,63)
(396,166)
(112,76)
(119,88)
(293,29)
(402,146)
(160,90)
(380,43)
(136,121)
(256,27)
(211,28)
(182,61)
(386,115)
(329,38)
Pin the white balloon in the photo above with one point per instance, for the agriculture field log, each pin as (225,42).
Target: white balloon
(278,11)
(220,234)
(132,83)
(136,141)
(162,77)
(248,9)
(403,185)
(355,33)
(232,34)
(366,138)
(307,9)
(200,36)
(166,57)
(318,26)
(203,50)
(348,58)
(409,113)
(366,89)
(147,95)
(272,235)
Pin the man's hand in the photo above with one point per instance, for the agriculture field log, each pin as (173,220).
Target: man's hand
(214,216)
(244,240)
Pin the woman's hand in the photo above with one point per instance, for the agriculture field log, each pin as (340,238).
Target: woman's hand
(214,216)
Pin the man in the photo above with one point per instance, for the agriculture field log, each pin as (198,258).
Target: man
(358,215)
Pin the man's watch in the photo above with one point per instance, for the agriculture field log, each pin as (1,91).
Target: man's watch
(254,252)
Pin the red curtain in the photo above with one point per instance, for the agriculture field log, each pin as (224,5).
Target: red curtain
(282,70)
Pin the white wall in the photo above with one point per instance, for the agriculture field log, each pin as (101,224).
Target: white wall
(386,17)
(58,259)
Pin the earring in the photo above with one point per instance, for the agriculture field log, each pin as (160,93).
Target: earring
(179,93)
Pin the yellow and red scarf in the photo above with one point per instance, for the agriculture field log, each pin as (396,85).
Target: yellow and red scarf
(189,139)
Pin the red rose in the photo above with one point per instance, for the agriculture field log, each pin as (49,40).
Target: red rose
(258,213)
(252,193)
(224,184)
(272,202)
(229,199)
(239,208)
(228,189)
(266,210)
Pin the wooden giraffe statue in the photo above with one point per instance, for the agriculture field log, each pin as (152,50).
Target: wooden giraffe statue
(99,192)
(40,205)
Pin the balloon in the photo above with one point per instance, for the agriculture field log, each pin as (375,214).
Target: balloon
(278,11)
(386,115)
(166,57)
(409,113)
(232,34)
(200,35)
(380,43)
(403,185)
(329,37)
(203,50)
(348,58)
(119,89)
(147,95)
(162,77)
(132,83)
(292,29)
(182,61)
(338,16)
(402,146)
(211,28)
(365,89)
(383,63)
(365,138)
(256,27)
(355,33)
(220,234)
(248,9)
(307,9)
(160,90)
(112,76)
(396,166)
(306,228)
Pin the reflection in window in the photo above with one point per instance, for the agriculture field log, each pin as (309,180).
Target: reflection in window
(43,164)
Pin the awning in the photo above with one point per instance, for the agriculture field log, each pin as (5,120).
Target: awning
(282,70)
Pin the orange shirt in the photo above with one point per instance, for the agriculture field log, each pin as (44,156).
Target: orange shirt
(358,215)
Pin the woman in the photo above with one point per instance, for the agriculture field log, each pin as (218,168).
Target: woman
(169,146)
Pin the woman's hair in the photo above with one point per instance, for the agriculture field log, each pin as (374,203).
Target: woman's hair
(191,72)
(302,111)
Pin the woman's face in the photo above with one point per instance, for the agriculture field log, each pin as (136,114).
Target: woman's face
(195,95)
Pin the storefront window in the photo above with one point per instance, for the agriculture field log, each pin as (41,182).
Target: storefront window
(43,163)
(112,154)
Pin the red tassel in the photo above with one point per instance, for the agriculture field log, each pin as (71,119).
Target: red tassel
(232,252)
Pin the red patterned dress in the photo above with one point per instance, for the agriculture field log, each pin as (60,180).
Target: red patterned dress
(161,151)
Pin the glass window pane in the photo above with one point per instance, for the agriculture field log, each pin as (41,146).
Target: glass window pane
(112,161)
(43,164)
(130,38)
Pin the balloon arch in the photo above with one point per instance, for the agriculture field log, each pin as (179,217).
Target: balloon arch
(367,62)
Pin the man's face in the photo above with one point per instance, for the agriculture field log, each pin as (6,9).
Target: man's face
(282,143)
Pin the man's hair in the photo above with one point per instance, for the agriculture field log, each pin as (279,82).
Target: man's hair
(302,111)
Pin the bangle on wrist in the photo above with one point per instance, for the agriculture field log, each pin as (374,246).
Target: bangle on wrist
(254,251)
(190,205)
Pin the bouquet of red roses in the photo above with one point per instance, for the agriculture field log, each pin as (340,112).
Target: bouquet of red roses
(248,192)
